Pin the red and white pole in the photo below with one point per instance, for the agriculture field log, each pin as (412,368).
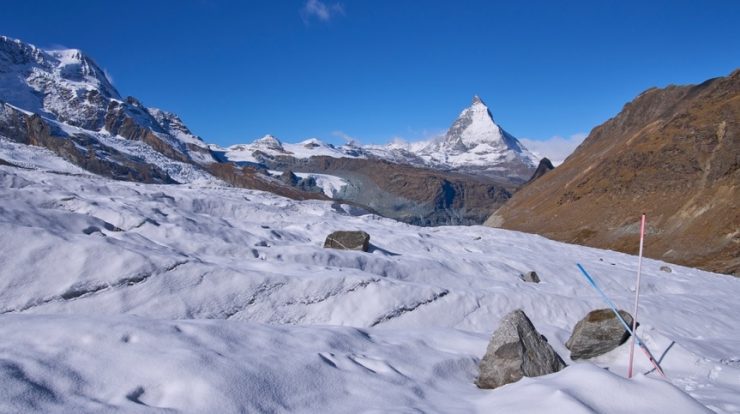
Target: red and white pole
(637,296)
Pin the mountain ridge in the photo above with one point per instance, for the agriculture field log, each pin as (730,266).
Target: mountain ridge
(672,153)
(474,144)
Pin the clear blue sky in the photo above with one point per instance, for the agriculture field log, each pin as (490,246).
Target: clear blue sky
(376,70)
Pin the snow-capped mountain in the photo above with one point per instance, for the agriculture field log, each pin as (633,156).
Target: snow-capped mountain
(270,146)
(62,84)
(63,101)
(474,144)
(68,87)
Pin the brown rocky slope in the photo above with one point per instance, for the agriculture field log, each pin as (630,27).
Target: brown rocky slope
(672,153)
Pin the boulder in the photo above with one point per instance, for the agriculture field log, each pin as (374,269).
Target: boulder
(348,240)
(665,269)
(598,333)
(516,350)
(530,277)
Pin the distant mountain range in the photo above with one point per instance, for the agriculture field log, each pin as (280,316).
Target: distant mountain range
(62,100)
(474,144)
(673,153)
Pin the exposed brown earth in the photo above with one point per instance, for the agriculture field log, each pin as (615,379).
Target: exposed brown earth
(672,153)
(250,177)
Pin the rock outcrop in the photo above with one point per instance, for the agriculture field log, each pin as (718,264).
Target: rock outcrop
(543,168)
(516,350)
(598,333)
(348,240)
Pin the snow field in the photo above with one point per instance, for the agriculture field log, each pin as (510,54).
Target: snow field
(125,297)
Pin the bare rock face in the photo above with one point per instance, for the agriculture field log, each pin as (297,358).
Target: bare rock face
(543,168)
(348,240)
(516,350)
(598,333)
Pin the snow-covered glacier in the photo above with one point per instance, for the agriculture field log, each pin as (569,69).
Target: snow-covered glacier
(128,297)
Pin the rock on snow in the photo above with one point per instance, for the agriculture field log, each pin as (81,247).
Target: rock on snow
(516,350)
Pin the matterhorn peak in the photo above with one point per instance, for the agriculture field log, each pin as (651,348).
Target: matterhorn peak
(475,140)
(475,126)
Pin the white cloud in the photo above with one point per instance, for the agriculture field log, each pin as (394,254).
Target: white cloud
(348,139)
(423,139)
(321,11)
(556,148)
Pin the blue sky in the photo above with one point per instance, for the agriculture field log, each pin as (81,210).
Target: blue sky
(378,70)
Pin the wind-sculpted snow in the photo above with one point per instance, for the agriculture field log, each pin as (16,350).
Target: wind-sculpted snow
(105,287)
(230,367)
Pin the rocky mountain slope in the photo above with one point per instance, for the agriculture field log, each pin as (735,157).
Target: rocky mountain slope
(419,196)
(672,153)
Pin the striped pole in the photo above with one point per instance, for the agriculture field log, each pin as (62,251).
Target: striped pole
(619,317)
(637,296)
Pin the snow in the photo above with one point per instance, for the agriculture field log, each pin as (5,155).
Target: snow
(175,127)
(225,367)
(179,171)
(119,296)
(36,158)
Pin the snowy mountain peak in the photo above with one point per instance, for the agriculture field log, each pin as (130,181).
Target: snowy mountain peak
(473,127)
(313,143)
(475,141)
(269,142)
(63,84)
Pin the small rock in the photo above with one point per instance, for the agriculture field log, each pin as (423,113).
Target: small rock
(348,240)
(666,269)
(530,277)
(516,350)
(91,229)
(598,333)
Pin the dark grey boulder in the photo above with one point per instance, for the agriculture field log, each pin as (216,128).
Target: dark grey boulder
(598,333)
(665,269)
(516,350)
(348,240)
(531,277)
